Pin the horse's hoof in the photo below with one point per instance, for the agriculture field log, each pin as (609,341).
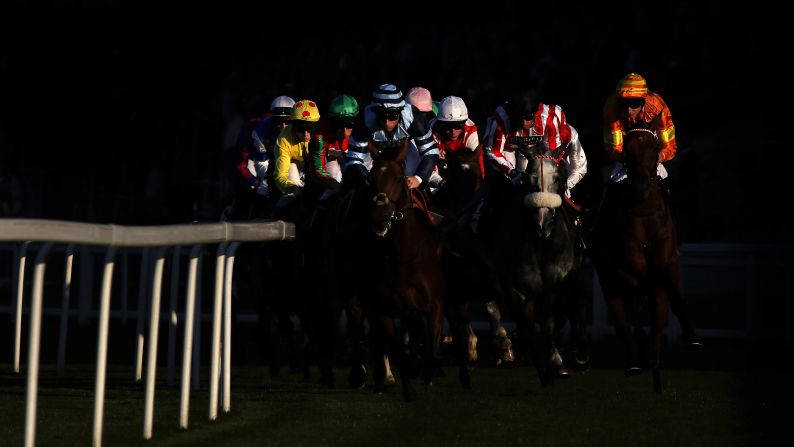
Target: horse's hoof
(379,388)
(390,379)
(632,370)
(465,378)
(581,363)
(563,372)
(357,376)
(693,342)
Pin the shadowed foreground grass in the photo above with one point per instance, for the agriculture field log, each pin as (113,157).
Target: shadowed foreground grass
(506,407)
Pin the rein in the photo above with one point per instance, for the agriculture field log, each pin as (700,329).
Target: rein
(549,156)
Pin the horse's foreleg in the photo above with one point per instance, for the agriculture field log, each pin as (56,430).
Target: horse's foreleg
(355,332)
(379,342)
(501,341)
(461,333)
(434,332)
(536,341)
(577,317)
(625,332)
(672,283)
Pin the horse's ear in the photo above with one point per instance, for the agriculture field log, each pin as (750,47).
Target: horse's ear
(373,150)
(403,151)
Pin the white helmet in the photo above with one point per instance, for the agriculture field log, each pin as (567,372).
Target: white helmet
(282,106)
(452,108)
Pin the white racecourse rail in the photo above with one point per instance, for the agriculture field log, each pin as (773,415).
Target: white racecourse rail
(49,232)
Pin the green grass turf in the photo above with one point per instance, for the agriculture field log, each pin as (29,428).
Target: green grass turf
(505,407)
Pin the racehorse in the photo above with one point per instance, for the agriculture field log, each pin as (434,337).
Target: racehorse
(547,257)
(462,174)
(557,261)
(403,269)
(526,255)
(633,249)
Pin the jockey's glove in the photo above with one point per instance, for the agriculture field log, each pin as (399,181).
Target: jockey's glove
(516,178)
(333,185)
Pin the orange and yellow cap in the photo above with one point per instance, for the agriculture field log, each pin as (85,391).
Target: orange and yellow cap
(632,86)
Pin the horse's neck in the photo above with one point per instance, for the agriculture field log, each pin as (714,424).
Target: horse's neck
(406,235)
(653,205)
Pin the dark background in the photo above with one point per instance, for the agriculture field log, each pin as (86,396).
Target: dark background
(111,112)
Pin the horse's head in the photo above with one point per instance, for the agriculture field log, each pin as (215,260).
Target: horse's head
(461,171)
(546,183)
(389,189)
(640,155)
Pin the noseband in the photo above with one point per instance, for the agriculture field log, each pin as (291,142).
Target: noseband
(398,213)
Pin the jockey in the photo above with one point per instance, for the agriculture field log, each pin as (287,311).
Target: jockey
(509,116)
(292,149)
(254,151)
(453,129)
(546,121)
(558,137)
(420,98)
(331,142)
(631,105)
(389,119)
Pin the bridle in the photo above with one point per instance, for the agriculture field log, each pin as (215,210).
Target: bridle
(640,130)
(398,213)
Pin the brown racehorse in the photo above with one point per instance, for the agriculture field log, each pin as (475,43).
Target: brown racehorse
(404,270)
(462,174)
(633,249)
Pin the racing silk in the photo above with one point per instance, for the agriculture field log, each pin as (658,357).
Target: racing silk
(327,151)
(468,140)
(289,152)
(411,125)
(254,151)
(500,154)
(575,160)
(616,124)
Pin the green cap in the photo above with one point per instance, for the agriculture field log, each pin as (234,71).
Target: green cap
(343,106)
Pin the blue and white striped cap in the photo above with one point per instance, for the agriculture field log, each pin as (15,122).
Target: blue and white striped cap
(388,96)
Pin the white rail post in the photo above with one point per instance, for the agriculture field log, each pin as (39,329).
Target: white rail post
(196,372)
(154,326)
(142,295)
(102,345)
(125,281)
(34,345)
(67,286)
(215,352)
(19,302)
(172,314)
(227,328)
(187,348)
